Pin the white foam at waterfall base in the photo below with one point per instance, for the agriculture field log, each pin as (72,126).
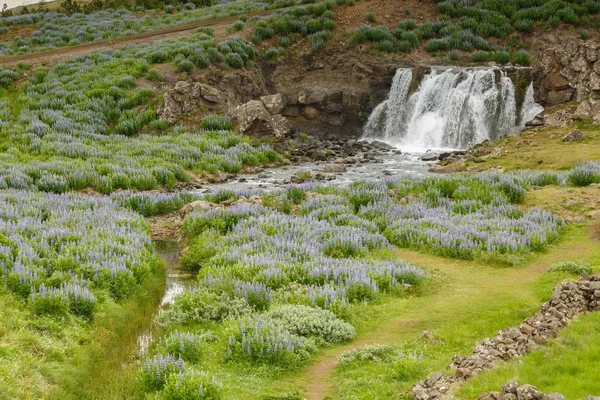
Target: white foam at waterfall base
(453,108)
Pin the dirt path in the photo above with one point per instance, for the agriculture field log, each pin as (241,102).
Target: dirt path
(468,289)
(54,56)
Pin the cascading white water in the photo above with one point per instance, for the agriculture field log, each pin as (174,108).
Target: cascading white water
(452,109)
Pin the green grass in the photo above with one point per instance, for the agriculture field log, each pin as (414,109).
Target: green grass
(542,149)
(471,303)
(104,367)
(568,365)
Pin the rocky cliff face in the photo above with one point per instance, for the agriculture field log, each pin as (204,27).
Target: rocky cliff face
(566,68)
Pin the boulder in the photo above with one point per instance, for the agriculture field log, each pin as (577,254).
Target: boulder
(445,169)
(311,113)
(275,103)
(189,96)
(256,120)
(194,206)
(335,169)
(574,136)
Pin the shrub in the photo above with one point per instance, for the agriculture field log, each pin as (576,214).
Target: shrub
(524,25)
(273,53)
(200,250)
(584,35)
(257,340)
(407,24)
(191,385)
(454,55)
(199,306)
(234,60)
(436,45)
(584,174)
(155,372)
(217,123)
(361,35)
(480,57)
(521,57)
(186,346)
(238,26)
(371,18)
(185,65)
(153,75)
(501,57)
(159,125)
(576,268)
(373,352)
(386,46)
(8,77)
(310,322)
(206,31)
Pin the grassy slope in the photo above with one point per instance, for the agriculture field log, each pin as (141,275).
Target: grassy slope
(542,149)
(474,302)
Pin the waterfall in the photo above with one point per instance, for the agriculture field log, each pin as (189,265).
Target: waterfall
(453,108)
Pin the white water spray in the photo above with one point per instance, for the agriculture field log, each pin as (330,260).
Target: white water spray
(452,109)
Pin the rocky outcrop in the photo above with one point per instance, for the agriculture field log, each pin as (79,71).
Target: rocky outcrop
(186,97)
(568,300)
(567,69)
(261,118)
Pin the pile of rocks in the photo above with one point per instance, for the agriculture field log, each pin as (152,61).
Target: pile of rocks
(568,300)
(306,149)
(205,205)
(590,289)
(511,390)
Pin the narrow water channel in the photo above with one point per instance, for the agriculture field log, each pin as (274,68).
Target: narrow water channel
(177,281)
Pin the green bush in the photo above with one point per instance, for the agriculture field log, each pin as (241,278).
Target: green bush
(186,346)
(521,57)
(501,57)
(214,122)
(310,322)
(153,75)
(576,268)
(191,385)
(202,306)
(273,53)
(184,65)
(371,18)
(373,352)
(235,60)
(480,57)
(200,250)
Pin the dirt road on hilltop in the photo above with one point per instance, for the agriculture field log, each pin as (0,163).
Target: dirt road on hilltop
(60,54)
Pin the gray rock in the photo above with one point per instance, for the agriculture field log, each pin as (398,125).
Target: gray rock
(510,387)
(335,169)
(574,136)
(275,103)
(188,96)
(255,120)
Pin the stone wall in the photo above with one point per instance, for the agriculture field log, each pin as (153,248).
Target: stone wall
(568,300)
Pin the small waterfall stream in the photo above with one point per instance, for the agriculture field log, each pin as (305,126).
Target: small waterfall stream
(453,108)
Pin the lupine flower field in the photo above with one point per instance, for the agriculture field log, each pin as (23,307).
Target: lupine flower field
(77,119)
(59,30)
(282,280)
(258,287)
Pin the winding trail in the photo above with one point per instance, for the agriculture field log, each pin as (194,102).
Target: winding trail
(60,54)
(468,288)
